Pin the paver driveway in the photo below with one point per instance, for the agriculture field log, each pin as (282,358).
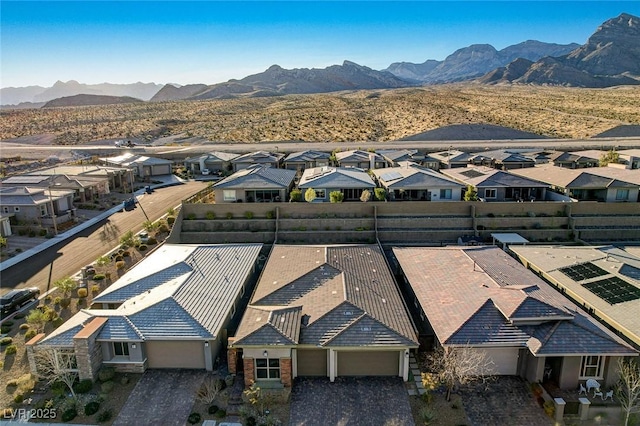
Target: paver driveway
(361,401)
(161,397)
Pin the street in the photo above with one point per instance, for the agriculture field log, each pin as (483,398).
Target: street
(69,256)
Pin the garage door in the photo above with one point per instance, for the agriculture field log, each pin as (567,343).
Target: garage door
(312,362)
(374,363)
(505,360)
(175,354)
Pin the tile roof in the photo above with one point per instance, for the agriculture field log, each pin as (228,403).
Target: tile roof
(212,157)
(412,175)
(258,157)
(392,155)
(30,196)
(357,155)
(331,288)
(63,335)
(307,156)
(592,177)
(489,177)
(335,177)
(258,177)
(481,295)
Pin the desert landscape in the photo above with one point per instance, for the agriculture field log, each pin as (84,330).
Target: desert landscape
(366,115)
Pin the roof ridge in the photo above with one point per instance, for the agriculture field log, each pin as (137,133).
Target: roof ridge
(489,300)
(348,326)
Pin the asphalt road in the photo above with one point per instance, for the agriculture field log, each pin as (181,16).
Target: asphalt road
(68,257)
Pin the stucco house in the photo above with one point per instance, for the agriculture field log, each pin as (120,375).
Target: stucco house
(171,310)
(502,159)
(255,184)
(483,299)
(113,177)
(324,311)
(324,180)
(303,160)
(360,159)
(395,156)
(411,182)
(214,161)
(85,188)
(143,167)
(262,158)
(36,204)
(605,184)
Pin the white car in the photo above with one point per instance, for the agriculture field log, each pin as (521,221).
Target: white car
(144,237)
(206,172)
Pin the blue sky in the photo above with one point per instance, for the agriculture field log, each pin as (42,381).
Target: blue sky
(209,42)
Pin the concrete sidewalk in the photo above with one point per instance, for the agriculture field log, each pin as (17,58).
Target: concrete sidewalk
(169,180)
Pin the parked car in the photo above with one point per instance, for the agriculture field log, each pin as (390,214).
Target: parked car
(206,171)
(144,237)
(16,298)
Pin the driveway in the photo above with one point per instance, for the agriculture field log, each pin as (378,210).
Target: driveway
(161,397)
(350,401)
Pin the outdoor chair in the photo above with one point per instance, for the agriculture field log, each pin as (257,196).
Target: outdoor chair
(582,389)
(608,395)
(592,384)
(598,392)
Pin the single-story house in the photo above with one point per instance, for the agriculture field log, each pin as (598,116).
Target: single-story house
(502,159)
(576,160)
(85,188)
(360,159)
(324,311)
(261,158)
(115,177)
(171,310)
(303,160)
(630,158)
(394,156)
(215,161)
(348,180)
(409,181)
(35,204)
(607,184)
(605,280)
(255,184)
(482,299)
(452,158)
(498,185)
(143,167)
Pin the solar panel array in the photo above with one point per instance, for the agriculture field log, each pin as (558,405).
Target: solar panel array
(613,290)
(472,173)
(630,271)
(390,176)
(583,271)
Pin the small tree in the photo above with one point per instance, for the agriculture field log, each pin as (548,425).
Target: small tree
(3,242)
(380,193)
(365,196)
(57,365)
(295,196)
(460,365)
(310,195)
(610,157)
(470,194)
(103,261)
(628,390)
(210,389)
(149,225)
(336,196)
(171,211)
(37,319)
(128,239)
(65,285)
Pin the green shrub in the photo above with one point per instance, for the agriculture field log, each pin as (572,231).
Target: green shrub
(24,326)
(57,300)
(295,195)
(248,215)
(194,418)
(120,265)
(11,350)
(336,196)
(221,414)
(271,214)
(83,386)
(43,232)
(98,277)
(151,241)
(80,302)
(64,303)
(229,215)
(30,334)
(4,329)
(95,289)
(104,416)
(19,315)
(143,247)
(380,194)
(69,414)
(191,216)
(163,228)
(107,386)
(213,409)
(8,324)
(82,292)
(57,322)
(210,215)
(251,421)
(32,233)
(6,341)
(106,374)
(170,220)
(126,253)
(91,408)
(18,398)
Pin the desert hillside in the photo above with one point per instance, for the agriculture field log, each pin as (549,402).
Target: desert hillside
(374,115)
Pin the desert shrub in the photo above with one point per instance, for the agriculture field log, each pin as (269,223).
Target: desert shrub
(57,322)
(6,341)
(32,233)
(380,194)
(229,215)
(13,383)
(69,414)
(210,215)
(91,408)
(295,196)
(19,315)
(120,265)
(82,292)
(427,415)
(106,374)
(11,350)
(43,232)
(96,277)
(125,253)
(143,247)
(248,215)
(83,386)
(107,386)
(8,324)
(4,329)
(213,409)
(194,418)
(163,228)
(18,398)
(549,408)
(152,241)
(64,303)
(271,214)
(57,300)
(80,302)
(251,421)
(170,220)
(221,414)
(95,289)
(24,326)
(336,196)
(30,334)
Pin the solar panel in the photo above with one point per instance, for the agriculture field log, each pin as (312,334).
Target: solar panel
(472,173)
(583,271)
(613,290)
(390,176)
(630,271)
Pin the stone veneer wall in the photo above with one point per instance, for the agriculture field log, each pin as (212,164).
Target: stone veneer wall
(286,372)
(248,372)
(31,354)
(88,355)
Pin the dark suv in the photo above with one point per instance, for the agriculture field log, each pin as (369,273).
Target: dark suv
(16,298)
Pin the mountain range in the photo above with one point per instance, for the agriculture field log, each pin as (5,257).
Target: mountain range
(610,57)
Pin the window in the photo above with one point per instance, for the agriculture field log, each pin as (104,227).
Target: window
(120,348)
(622,194)
(445,194)
(229,194)
(5,209)
(490,193)
(321,193)
(267,368)
(592,367)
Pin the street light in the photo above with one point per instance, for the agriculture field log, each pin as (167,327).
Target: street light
(53,211)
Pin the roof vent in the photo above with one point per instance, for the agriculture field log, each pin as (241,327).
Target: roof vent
(348,313)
